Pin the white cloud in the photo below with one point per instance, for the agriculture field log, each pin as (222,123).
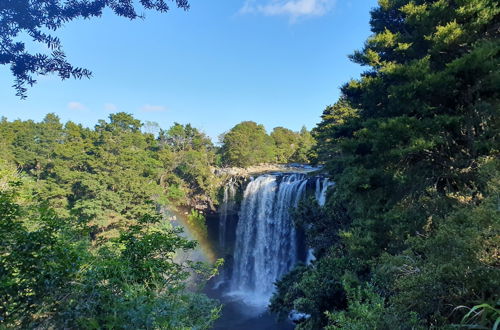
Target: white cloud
(110,107)
(292,8)
(76,106)
(153,108)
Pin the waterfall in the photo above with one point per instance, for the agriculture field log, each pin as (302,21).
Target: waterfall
(321,188)
(226,207)
(266,243)
(266,240)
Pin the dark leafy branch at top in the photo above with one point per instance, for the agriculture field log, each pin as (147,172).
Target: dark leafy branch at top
(38,18)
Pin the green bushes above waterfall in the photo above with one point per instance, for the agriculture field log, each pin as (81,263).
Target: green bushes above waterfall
(408,238)
(292,147)
(248,144)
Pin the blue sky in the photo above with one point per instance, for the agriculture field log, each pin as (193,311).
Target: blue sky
(276,62)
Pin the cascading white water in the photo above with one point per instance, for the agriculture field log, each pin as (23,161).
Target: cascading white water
(321,188)
(227,206)
(266,240)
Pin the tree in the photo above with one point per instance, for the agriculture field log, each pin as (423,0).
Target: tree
(247,144)
(304,152)
(293,146)
(185,137)
(287,143)
(151,127)
(190,155)
(35,18)
(124,121)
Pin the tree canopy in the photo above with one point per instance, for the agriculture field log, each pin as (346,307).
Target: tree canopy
(248,144)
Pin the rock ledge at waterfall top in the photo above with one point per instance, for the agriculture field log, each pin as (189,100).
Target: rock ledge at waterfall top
(265,168)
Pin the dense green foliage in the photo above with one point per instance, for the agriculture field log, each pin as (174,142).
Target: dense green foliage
(82,242)
(292,147)
(409,237)
(188,158)
(248,144)
(53,276)
(105,176)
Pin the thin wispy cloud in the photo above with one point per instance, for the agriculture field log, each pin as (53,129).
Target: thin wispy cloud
(76,106)
(294,9)
(153,108)
(110,107)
